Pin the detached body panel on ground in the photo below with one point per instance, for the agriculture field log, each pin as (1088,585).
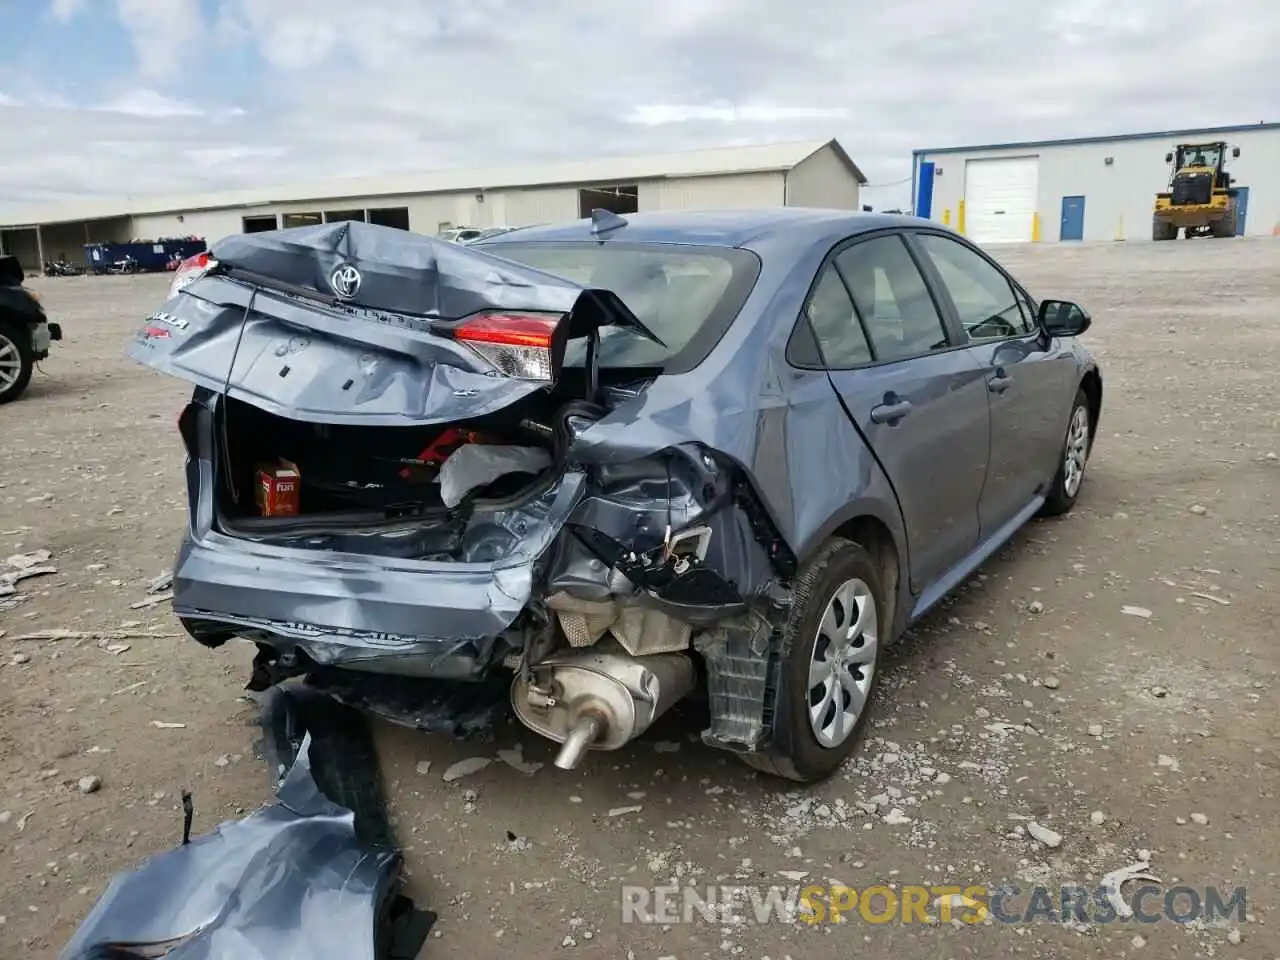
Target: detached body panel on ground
(585,456)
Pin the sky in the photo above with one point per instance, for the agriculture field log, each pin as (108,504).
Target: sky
(119,98)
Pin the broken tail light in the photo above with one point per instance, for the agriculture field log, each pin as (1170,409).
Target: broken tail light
(191,270)
(522,345)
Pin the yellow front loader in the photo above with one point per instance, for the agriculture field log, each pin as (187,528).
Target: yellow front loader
(1201,199)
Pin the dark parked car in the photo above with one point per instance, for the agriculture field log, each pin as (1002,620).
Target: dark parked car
(600,466)
(25,331)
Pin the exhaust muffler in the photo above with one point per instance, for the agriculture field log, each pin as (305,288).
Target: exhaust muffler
(599,698)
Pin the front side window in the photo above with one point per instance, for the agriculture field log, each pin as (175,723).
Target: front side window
(983,296)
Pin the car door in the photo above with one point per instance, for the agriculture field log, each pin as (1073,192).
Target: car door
(918,401)
(1029,376)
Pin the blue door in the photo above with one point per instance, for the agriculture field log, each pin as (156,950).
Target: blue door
(1072,219)
(1242,208)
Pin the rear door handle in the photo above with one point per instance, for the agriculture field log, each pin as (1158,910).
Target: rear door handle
(890,412)
(1000,382)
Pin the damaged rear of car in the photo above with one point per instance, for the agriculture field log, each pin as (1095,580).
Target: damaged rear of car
(420,462)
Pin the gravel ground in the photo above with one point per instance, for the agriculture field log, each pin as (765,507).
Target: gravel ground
(1032,696)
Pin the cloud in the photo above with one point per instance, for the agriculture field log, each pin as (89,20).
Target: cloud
(164,32)
(655,115)
(149,103)
(328,88)
(64,10)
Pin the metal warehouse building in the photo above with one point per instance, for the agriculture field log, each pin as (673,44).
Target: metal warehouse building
(809,173)
(1093,188)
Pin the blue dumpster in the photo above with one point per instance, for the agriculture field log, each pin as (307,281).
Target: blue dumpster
(141,256)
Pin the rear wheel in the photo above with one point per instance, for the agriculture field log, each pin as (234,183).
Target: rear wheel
(1163,230)
(16,362)
(833,636)
(1075,454)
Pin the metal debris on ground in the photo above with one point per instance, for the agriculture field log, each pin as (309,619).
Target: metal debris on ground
(23,566)
(162,582)
(151,601)
(464,768)
(315,874)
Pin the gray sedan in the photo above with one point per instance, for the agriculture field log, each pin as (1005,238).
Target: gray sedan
(581,472)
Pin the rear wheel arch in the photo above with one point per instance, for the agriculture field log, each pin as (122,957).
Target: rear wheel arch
(873,535)
(865,524)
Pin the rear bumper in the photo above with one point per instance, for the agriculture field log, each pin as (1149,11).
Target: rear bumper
(379,614)
(42,335)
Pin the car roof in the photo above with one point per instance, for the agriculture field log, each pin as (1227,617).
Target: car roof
(725,228)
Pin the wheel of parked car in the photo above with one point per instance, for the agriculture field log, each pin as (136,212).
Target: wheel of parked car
(16,362)
(834,633)
(1075,455)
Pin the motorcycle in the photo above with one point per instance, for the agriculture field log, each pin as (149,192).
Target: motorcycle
(61,268)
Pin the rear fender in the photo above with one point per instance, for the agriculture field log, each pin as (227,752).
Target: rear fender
(678,527)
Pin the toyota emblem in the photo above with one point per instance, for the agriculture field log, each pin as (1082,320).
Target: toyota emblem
(345,281)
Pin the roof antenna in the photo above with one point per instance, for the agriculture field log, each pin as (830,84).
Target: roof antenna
(605,221)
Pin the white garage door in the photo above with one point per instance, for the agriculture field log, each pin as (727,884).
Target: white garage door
(1000,198)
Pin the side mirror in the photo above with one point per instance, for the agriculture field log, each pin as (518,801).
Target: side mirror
(1062,318)
(1168,158)
(1235,151)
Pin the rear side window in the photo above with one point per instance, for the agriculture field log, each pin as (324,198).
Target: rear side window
(687,295)
(982,294)
(891,298)
(832,318)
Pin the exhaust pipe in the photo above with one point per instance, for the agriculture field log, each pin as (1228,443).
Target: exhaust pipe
(584,733)
(600,697)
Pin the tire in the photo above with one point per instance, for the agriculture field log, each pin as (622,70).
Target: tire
(796,752)
(1066,482)
(1160,230)
(343,757)
(1226,227)
(15,359)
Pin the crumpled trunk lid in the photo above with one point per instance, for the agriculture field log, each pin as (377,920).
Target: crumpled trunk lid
(352,323)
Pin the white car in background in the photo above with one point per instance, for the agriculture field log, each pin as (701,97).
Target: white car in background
(471,234)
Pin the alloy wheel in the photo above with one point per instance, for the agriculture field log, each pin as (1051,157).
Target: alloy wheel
(843,662)
(10,363)
(1077,451)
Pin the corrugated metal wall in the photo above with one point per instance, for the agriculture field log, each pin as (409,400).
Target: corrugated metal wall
(733,191)
(1119,194)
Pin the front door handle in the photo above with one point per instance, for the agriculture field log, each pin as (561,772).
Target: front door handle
(1000,382)
(890,412)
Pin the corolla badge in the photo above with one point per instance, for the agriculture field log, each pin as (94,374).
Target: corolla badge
(345,280)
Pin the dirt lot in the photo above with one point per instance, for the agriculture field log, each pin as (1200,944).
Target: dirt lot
(1124,732)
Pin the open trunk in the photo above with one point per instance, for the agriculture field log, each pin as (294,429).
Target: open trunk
(448,492)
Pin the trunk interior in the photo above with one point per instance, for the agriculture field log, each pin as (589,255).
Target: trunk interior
(354,483)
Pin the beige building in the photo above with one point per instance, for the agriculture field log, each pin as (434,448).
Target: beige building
(807,173)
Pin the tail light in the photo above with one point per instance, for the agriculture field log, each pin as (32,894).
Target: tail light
(189,271)
(521,345)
